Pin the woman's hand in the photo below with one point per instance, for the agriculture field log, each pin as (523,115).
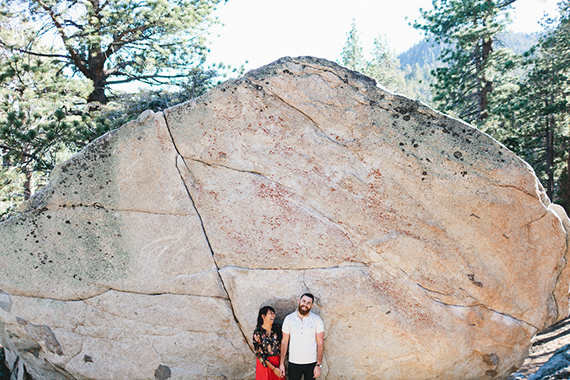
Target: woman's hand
(278,372)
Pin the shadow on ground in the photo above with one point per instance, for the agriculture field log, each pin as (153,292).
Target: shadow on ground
(4,373)
(543,347)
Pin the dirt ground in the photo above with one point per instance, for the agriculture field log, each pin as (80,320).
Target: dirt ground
(544,345)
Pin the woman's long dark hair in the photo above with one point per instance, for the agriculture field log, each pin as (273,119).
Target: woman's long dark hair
(276,328)
(263,311)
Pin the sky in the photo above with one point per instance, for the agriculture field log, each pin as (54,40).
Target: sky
(261,31)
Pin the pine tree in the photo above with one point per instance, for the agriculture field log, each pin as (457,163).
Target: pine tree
(119,41)
(472,65)
(352,53)
(535,119)
(384,66)
(36,117)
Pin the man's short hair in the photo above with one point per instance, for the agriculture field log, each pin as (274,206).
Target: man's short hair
(312,297)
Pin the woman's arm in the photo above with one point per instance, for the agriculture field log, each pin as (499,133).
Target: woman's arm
(258,348)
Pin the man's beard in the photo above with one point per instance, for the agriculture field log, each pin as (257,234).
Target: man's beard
(304,311)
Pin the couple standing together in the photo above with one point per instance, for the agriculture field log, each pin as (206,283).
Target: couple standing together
(302,332)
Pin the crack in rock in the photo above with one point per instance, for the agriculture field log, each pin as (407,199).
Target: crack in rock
(206,235)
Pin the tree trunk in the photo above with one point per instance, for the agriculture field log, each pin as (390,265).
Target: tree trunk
(98,94)
(28,185)
(28,174)
(487,85)
(549,155)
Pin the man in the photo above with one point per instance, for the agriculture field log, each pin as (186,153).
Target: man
(303,333)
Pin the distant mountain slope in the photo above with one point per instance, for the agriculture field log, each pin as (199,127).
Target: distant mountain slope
(418,61)
(426,53)
(422,53)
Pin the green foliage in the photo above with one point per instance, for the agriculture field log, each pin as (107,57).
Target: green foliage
(473,68)
(44,117)
(120,41)
(36,117)
(383,65)
(125,107)
(418,82)
(352,54)
(534,120)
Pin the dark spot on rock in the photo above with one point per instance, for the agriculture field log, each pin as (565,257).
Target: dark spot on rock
(87,359)
(491,359)
(67,222)
(284,72)
(162,372)
(407,117)
(424,173)
(491,373)
(457,154)
(401,110)
(471,277)
(401,144)
(415,145)
(396,116)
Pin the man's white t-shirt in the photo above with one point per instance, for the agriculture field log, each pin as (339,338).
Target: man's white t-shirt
(302,337)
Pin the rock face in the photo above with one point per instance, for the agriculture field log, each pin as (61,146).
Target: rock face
(432,250)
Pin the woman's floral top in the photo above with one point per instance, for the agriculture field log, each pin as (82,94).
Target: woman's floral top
(266,344)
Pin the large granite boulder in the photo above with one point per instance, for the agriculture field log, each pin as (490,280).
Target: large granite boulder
(432,250)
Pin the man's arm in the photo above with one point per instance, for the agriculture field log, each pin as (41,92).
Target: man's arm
(320,349)
(284,346)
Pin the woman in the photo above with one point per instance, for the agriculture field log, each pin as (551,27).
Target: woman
(267,345)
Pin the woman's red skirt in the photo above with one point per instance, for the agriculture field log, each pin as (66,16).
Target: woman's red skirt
(265,373)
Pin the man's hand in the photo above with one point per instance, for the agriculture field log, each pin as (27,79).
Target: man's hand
(316,371)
